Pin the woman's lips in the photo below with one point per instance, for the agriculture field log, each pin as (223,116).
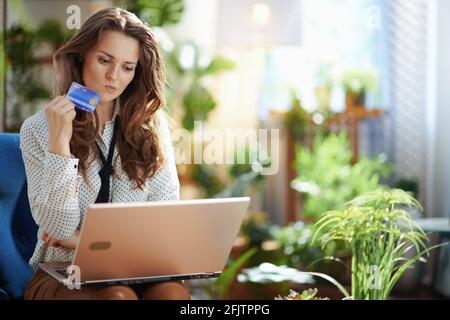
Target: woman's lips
(110,89)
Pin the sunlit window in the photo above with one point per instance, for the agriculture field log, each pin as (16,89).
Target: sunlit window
(337,35)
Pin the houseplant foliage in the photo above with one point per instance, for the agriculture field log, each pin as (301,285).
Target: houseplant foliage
(299,252)
(310,294)
(188,77)
(157,12)
(22,42)
(188,71)
(328,179)
(296,119)
(357,83)
(379,232)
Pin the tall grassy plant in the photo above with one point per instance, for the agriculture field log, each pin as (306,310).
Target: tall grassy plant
(379,232)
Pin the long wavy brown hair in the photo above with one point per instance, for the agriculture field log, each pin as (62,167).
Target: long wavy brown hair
(138,141)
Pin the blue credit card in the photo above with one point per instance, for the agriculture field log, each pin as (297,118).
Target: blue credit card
(83,98)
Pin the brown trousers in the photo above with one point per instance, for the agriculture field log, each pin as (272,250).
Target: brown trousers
(42,286)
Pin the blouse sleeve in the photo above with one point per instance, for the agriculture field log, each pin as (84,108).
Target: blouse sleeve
(52,185)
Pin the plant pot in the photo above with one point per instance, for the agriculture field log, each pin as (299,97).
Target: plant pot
(323,97)
(354,101)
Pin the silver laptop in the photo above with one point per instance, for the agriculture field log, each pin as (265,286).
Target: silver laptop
(130,243)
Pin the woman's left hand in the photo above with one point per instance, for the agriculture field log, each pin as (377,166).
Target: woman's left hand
(70,243)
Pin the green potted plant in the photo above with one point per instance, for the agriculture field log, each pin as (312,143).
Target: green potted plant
(379,232)
(188,77)
(327,179)
(310,294)
(296,119)
(357,83)
(323,86)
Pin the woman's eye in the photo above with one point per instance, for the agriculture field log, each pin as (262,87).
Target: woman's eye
(128,69)
(103,60)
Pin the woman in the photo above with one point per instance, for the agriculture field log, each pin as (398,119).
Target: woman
(119,153)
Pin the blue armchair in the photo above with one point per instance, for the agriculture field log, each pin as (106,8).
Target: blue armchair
(18,231)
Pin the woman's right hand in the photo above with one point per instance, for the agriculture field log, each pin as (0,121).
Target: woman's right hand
(70,243)
(60,113)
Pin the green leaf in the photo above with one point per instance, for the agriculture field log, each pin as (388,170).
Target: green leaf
(217,66)
(198,102)
(159,12)
(329,279)
(380,231)
(51,30)
(228,275)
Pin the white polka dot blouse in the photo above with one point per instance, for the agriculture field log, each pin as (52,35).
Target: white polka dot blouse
(58,194)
